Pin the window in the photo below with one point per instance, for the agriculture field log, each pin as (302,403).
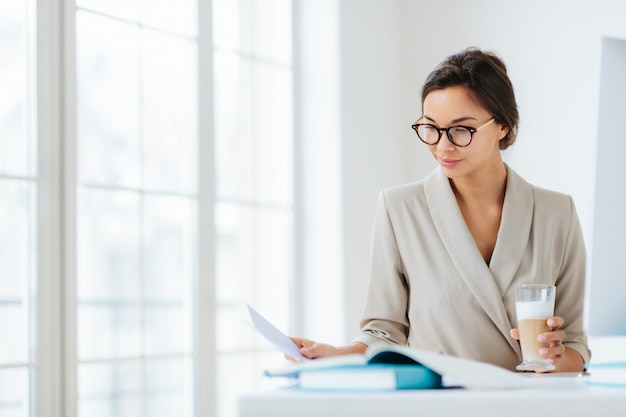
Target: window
(18,208)
(136,203)
(124,220)
(253,79)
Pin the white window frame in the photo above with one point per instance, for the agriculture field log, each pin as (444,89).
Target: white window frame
(48,398)
(206,383)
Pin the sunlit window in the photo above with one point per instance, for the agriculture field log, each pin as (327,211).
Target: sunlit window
(253,96)
(126,142)
(136,203)
(18,208)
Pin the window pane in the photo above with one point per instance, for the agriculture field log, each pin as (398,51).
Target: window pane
(106,390)
(108,280)
(273,134)
(113,289)
(17,153)
(261,29)
(136,204)
(17,268)
(125,9)
(253,102)
(108,329)
(169,387)
(227,29)
(17,244)
(271,34)
(179,16)
(253,130)
(169,99)
(254,264)
(108,244)
(13,342)
(18,207)
(169,238)
(119,68)
(14,392)
(107,95)
(233,147)
(155,388)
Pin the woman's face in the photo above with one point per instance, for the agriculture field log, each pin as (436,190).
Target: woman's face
(453,106)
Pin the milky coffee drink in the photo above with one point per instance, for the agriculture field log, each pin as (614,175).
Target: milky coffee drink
(533,308)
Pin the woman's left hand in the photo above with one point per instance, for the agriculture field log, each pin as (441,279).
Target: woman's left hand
(554,352)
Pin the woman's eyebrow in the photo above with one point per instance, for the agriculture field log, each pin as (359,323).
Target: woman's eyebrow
(463,119)
(457,120)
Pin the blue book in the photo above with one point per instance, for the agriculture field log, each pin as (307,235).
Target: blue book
(378,377)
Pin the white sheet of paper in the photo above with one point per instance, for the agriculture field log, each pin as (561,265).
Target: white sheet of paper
(282,342)
(472,374)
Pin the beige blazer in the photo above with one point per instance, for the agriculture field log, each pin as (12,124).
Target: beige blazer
(430,288)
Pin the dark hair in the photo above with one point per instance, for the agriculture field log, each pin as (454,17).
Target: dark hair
(485,77)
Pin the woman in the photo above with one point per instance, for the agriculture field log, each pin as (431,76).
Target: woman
(448,251)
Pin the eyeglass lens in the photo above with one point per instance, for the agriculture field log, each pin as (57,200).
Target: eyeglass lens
(458,135)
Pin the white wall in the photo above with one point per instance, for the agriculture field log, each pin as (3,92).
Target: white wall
(379,103)
(319,297)
(552,49)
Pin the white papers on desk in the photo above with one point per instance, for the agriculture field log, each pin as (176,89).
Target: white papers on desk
(472,374)
(608,374)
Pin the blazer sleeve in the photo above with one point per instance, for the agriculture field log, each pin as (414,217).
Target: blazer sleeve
(385,313)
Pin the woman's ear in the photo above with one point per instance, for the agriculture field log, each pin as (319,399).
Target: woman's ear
(504,131)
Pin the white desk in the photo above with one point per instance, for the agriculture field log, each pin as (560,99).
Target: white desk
(571,397)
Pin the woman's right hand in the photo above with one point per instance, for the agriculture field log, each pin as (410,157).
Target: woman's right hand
(313,350)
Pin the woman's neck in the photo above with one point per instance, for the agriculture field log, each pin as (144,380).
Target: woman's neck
(484,188)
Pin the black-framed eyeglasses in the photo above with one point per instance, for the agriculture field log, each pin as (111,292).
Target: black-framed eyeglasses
(460,136)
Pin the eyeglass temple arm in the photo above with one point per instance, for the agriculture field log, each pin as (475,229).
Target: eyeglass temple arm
(418,120)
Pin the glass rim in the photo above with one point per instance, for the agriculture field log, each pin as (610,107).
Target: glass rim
(535,285)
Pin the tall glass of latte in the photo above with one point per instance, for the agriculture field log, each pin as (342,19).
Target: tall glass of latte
(534,304)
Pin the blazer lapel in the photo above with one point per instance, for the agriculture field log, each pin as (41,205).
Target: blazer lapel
(514,231)
(464,252)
